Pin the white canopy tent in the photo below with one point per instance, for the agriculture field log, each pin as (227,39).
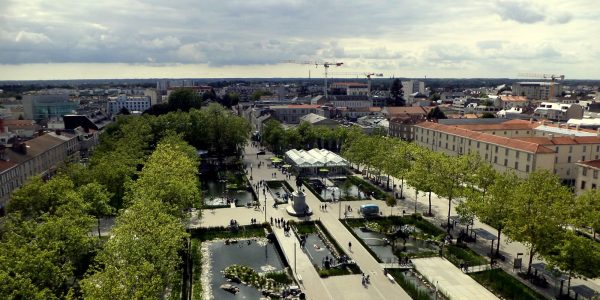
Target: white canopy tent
(309,162)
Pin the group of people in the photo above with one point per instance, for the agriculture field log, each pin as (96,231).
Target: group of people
(366,279)
(323,207)
(253,221)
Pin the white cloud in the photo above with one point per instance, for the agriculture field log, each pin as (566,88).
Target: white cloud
(397,36)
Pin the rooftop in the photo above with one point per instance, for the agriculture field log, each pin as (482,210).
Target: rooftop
(315,158)
(517,144)
(510,98)
(591,163)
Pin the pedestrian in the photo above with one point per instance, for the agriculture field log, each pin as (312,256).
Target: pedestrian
(349,245)
(271,221)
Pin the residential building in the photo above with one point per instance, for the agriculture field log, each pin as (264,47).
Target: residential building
(391,112)
(521,146)
(403,127)
(413,86)
(561,112)
(38,156)
(507,102)
(354,101)
(587,176)
(131,103)
(291,113)
(349,88)
(317,120)
(48,106)
(536,90)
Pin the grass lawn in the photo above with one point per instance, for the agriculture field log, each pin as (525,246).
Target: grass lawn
(505,285)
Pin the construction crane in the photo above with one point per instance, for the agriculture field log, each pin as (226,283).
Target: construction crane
(552,77)
(367,74)
(325,65)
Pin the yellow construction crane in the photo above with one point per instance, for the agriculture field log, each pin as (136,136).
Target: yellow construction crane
(325,65)
(552,77)
(367,74)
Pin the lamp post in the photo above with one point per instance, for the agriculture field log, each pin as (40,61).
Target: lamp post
(265,195)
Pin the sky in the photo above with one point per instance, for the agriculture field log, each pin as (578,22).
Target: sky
(85,39)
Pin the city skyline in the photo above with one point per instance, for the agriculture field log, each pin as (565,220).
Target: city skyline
(220,39)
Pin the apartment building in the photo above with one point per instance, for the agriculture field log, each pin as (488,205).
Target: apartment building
(38,156)
(536,90)
(517,145)
(413,86)
(350,88)
(587,176)
(558,111)
(291,113)
(350,101)
(509,101)
(38,106)
(132,103)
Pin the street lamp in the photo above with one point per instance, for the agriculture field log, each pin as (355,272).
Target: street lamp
(265,195)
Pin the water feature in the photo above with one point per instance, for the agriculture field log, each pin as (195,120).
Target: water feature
(279,191)
(258,254)
(337,189)
(215,193)
(375,241)
(316,249)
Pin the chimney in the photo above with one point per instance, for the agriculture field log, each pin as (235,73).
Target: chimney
(577,127)
(572,136)
(598,132)
(530,120)
(550,136)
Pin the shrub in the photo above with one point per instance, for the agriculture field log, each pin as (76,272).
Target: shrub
(504,285)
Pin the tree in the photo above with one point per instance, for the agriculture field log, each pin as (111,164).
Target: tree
(449,176)
(184,99)
(538,212)
(494,207)
(229,100)
(169,176)
(576,254)
(274,135)
(37,197)
(124,111)
(396,93)
(421,172)
(436,114)
(587,211)
(141,258)
(97,199)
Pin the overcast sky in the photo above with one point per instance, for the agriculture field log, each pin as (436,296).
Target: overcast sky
(63,39)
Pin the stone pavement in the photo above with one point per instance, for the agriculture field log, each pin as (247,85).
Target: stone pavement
(450,280)
(508,249)
(337,287)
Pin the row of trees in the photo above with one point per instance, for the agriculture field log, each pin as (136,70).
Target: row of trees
(45,242)
(142,258)
(534,210)
(304,136)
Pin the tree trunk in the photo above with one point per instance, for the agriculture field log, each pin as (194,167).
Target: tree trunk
(416,197)
(530,262)
(430,203)
(98,227)
(402,188)
(569,281)
(388,181)
(449,206)
(498,245)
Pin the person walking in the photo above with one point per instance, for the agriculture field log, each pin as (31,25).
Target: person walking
(350,246)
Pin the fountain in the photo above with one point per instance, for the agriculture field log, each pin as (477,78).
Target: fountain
(298,208)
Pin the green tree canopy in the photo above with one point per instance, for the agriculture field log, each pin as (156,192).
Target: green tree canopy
(184,99)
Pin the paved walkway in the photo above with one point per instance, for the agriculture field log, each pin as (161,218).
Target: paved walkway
(508,249)
(337,287)
(450,280)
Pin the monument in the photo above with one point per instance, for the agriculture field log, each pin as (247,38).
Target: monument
(298,207)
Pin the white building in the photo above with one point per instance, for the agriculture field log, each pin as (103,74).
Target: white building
(558,111)
(138,103)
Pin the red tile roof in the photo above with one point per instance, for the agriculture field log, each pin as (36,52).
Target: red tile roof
(591,163)
(562,140)
(508,125)
(409,110)
(487,138)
